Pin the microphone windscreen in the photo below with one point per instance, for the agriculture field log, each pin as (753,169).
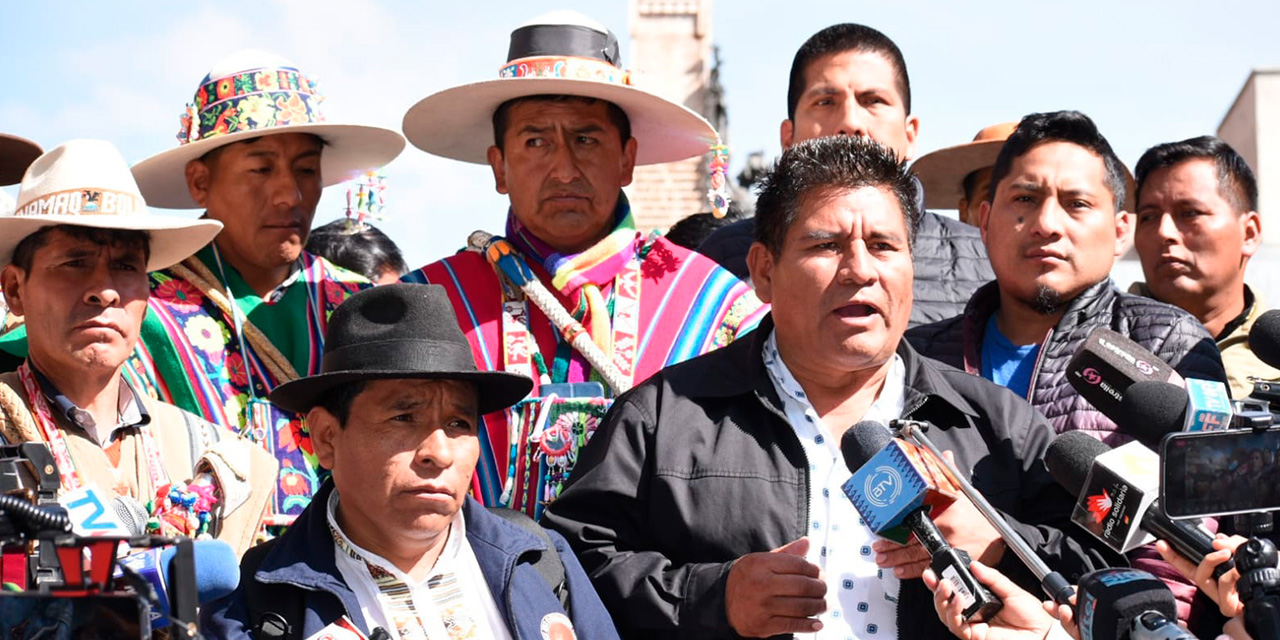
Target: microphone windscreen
(1109,599)
(1264,338)
(862,441)
(1070,457)
(131,514)
(217,569)
(1150,409)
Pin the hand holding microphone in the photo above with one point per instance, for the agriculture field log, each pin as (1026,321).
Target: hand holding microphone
(1221,590)
(961,524)
(1022,617)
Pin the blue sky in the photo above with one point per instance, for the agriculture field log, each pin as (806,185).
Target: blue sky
(1147,72)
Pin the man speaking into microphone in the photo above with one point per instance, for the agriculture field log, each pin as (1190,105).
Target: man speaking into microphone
(709,503)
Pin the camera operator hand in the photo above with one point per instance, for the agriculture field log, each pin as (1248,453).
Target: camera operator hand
(1021,618)
(1223,591)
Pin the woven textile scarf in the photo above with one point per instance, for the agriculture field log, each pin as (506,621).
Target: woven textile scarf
(580,276)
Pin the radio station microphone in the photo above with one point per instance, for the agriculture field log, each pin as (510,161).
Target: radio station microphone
(131,514)
(1151,409)
(894,487)
(1118,491)
(1108,364)
(1120,604)
(217,574)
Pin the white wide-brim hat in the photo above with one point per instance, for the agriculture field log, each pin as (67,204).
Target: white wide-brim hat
(87,183)
(251,94)
(559,53)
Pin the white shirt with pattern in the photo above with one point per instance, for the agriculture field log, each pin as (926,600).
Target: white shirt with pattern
(862,599)
(456,556)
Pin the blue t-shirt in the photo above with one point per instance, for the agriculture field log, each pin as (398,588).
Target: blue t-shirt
(1005,363)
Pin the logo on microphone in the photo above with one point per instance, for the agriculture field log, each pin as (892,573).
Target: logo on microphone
(1100,506)
(1145,367)
(1091,375)
(883,486)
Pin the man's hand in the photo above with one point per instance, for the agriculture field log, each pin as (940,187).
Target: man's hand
(1222,591)
(963,526)
(775,592)
(1021,618)
(1065,615)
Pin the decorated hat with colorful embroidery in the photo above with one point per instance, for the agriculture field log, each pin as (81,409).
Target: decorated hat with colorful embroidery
(87,183)
(559,53)
(16,154)
(251,94)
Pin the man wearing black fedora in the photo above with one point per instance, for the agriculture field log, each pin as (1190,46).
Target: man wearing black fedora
(392,541)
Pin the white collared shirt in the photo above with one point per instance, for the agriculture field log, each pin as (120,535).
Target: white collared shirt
(456,557)
(862,599)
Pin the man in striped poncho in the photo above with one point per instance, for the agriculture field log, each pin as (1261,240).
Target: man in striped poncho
(585,305)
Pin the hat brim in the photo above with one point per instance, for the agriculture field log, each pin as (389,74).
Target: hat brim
(16,154)
(497,390)
(942,173)
(457,123)
(350,149)
(172,239)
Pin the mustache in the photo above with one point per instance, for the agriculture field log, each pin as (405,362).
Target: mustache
(576,189)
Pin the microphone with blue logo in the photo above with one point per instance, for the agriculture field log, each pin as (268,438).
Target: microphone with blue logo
(894,487)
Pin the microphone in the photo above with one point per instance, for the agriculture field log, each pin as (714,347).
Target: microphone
(1052,582)
(1152,409)
(1117,493)
(1126,603)
(131,514)
(217,574)
(1108,364)
(894,486)
(1264,338)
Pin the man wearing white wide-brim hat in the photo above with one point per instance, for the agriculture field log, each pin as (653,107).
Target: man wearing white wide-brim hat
(248,311)
(77,250)
(584,305)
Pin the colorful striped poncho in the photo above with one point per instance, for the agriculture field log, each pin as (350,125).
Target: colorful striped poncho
(688,305)
(189,356)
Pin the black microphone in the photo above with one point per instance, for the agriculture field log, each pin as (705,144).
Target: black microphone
(1104,368)
(1111,500)
(1114,604)
(889,488)
(1152,409)
(1264,338)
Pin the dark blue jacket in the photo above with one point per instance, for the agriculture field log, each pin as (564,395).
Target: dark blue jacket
(303,558)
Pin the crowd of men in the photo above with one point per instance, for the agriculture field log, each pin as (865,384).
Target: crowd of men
(674,427)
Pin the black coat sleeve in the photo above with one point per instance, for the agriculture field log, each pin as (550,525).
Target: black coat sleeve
(603,516)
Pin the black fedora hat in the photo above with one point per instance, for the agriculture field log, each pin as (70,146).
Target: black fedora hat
(399,331)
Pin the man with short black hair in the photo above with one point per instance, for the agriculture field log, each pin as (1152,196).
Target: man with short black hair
(850,79)
(1053,226)
(709,503)
(1197,227)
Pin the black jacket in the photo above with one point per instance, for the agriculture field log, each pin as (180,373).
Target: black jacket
(1167,331)
(698,466)
(950,263)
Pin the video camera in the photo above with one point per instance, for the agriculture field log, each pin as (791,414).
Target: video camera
(59,585)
